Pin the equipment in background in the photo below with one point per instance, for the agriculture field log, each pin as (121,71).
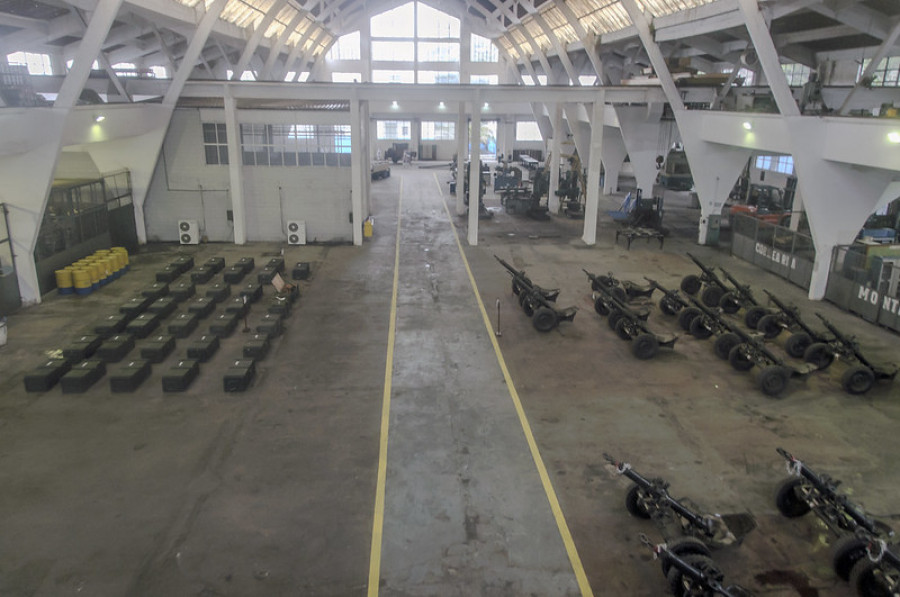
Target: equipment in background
(638,212)
(527,198)
(505,175)
(189,232)
(674,171)
(396,152)
(690,570)
(628,323)
(572,183)
(381,170)
(483,212)
(536,302)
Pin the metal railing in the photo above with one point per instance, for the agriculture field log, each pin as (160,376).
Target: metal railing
(777,249)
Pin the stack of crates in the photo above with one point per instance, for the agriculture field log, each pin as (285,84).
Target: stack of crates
(88,274)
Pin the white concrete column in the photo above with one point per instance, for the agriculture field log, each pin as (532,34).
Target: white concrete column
(462,136)
(356,162)
(613,157)
(581,130)
(365,53)
(592,183)
(368,151)
(88,50)
(235,168)
(554,158)
(465,51)
(474,170)
(797,210)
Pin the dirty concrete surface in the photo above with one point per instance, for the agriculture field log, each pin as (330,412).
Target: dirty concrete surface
(271,491)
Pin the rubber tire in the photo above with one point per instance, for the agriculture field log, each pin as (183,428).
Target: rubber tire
(787,501)
(600,307)
(773,380)
(515,287)
(753,315)
(737,359)
(698,328)
(797,344)
(857,379)
(681,547)
(730,303)
(819,355)
(687,316)
(845,553)
(676,579)
(644,347)
(613,319)
(633,503)
(544,319)
(712,296)
(724,343)
(528,307)
(769,326)
(619,294)
(522,297)
(622,328)
(668,306)
(691,284)
(865,582)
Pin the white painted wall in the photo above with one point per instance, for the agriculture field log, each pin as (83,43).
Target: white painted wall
(185,187)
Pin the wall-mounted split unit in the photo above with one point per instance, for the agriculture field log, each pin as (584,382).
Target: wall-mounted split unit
(189,232)
(296,231)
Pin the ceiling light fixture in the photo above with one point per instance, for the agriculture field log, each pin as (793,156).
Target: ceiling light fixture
(486,106)
(748,126)
(394,105)
(894,137)
(441,105)
(99,118)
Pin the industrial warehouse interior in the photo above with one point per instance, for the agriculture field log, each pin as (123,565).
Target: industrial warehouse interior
(450,297)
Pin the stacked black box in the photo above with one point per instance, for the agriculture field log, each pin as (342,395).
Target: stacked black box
(167,274)
(256,347)
(155,291)
(246,263)
(280,306)
(182,291)
(237,305)
(44,377)
(158,348)
(111,325)
(202,307)
(239,375)
(182,325)
(252,291)
(134,307)
(183,263)
(300,271)
(219,292)
(234,274)
(82,376)
(162,307)
(202,275)
(265,276)
(130,376)
(115,348)
(82,348)
(143,325)
(223,324)
(216,264)
(180,376)
(269,324)
(277,264)
(203,348)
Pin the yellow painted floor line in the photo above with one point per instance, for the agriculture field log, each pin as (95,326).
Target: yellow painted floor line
(378,520)
(569,543)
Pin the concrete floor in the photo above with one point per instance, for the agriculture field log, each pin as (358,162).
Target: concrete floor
(272,491)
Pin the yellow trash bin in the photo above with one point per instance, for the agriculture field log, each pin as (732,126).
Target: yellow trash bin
(368,226)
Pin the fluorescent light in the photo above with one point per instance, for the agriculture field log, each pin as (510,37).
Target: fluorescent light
(894,137)
(99,118)
(486,106)
(441,105)
(748,126)
(394,105)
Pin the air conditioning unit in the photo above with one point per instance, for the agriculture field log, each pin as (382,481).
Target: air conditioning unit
(296,231)
(189,232)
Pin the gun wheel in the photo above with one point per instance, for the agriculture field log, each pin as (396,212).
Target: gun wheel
(724,343)
(613,319)
(528,305)
(858,379)
(739,359)
(788,500)
(645,347)
(754,315)
(668,306)
(819,355)
(687,316)
(635,502)
(544,319)
(681,547)
(625,329)
(845,553)
(600,307)
(773,380)
(699,329)
(730,303)
(682,585)
(515,287)
(769,326)
(691,284)
(797,344)
(712,296)
(869,579)
(619,294)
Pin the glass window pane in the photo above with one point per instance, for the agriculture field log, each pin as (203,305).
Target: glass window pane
(395,51)
(209,133)
(223,154)
(484,79)
(434,23)
(438,52)
(432,77)
(483,50)
(212,154)
(394,23)
(528,131)
(393,76)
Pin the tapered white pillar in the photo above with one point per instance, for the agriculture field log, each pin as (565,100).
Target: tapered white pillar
(235,174)
(554,157)
(462,137)
(591,207)
(356,164)
(474,170)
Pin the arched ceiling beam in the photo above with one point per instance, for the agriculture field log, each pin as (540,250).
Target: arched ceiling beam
(257,37)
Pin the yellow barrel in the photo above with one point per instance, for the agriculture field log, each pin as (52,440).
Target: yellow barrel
(94,268)
(64,283)
(81,279)
(116,263)
(123,252)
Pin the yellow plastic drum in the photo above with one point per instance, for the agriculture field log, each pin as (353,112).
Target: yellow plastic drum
(64,282)
(81,280)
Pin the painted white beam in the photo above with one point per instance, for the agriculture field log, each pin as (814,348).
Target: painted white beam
(808,35)
(255,38)
(642,24)
(882,51)
(275,50)
(40,26)
(195,48)
(560,49)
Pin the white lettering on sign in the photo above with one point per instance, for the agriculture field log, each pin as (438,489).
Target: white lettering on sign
(779,257)
(888,304)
